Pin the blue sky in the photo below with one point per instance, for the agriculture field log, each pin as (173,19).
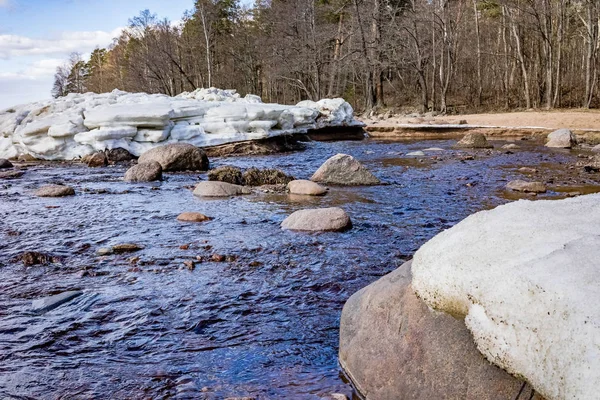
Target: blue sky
(37,35)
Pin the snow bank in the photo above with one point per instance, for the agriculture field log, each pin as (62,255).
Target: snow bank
(526,276)
(81,124)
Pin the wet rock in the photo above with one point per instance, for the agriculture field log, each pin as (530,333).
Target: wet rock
(127,248)
(31,258)
(528,187)
(97,160)
(50,303)
(218,258)
(55,191)
(104,251)
(119,155)
(227,174)
(562,138)
(434,149)
(391,343)
(528,170)
(4,163)
(192,217)
(260,177)
(511,146)
(11,174)
(144,172)
(304,187)
(474,140)
(177,157)
(319,220)
(343,169)
(219,189)
(416,154)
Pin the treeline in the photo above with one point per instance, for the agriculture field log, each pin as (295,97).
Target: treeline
(444,55)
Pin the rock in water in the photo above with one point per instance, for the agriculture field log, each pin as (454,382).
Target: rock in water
(260,177)
(596,149)
(11,174)
(319,220)
(511,146)
(118,155)
(127,248)
(528,290)
(562,138)
(416,154)
(177,157)
(305,187)
(343,169)
(55,191)
(4,163)
(528,187)
(144,172)
(50,303)
(392,346)
(192,217)
(227,174)
(97,160)
(219,189)
(474,140)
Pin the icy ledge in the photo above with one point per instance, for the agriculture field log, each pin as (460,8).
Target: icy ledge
(526,277)
(81,124)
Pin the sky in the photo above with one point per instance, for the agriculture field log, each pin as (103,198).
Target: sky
(38,35)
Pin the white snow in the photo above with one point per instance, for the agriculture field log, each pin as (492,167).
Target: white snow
(80,124)
(526,277)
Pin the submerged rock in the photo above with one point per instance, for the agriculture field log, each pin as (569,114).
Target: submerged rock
(55,191)
(260,177)
(50,303)
(144,172)
(562,138)
(474,140)
(393,346)
(304,187)
(528,290)
(227,174)
(192,217)
(219,189)
(177,157)
(31,258)
(343,169)
(320,220)
(4,163)
(529,187)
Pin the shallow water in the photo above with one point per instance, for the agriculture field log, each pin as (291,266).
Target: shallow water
(265,322)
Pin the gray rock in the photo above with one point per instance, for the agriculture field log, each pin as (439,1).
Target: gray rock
(528,187)
(528,170)
(596,149)
(127,248)
(219,189)
(4,163)
(511,146)
(104,251)
(562,138)
(11,174)
(416,154)
(392,346)
(144,172)
(318,220)
(434,149)
(50,303)
(304,187)
(55,191)
(343,169)
(474,140)
(177,157)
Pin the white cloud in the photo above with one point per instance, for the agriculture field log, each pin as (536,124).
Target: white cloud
(65,43)
(5,3)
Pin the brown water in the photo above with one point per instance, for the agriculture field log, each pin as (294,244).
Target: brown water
(263,323)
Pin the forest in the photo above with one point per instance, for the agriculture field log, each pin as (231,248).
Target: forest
(449,56)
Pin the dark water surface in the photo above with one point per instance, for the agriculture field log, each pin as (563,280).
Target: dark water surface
(263,323)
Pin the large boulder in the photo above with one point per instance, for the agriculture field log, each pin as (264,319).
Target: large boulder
(177,157)
(343,169)
(393,346)
(144,172)
(318,220)
(474,140)
(308,188)
(562,138)
(219,189)
(528,289)
(55,191)
(528,187)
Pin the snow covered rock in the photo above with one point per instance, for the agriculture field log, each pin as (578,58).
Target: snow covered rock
(562,138)
(80,124)
(525,277)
